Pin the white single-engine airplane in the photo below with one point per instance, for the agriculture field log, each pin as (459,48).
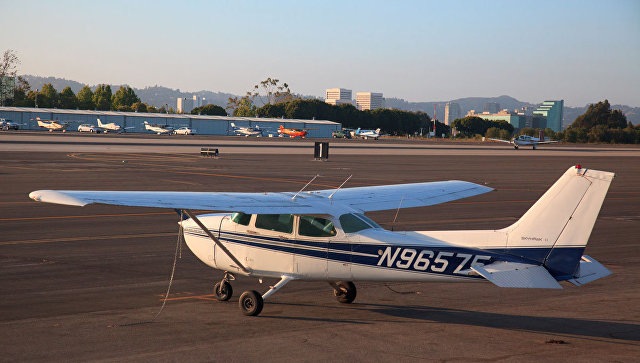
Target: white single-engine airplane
(247,130)
(112,126)
(158,129)
(324,235)
(526,140)
(365,134)
(54,125)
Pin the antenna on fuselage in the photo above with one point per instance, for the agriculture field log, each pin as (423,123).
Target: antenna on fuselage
(343,183)
(314,178)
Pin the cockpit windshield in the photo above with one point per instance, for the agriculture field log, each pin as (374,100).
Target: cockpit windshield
(241,218)
(354,222)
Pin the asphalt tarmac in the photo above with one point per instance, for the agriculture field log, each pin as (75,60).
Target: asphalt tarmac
(86,283)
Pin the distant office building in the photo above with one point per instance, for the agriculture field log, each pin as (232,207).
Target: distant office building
(369,101)
(553,112)
(491,107)
(186,105)
(451,112)
(336,96)
(516,120)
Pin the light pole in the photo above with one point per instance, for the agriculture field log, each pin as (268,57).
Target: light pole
(37,97)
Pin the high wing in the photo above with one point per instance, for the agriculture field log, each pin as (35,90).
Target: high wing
(361,198)
(507,141)
(368,199)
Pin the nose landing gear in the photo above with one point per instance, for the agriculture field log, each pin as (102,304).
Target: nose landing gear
(345,291)
(223,289)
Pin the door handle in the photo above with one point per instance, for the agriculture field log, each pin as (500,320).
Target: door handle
(251,231)
(282,238)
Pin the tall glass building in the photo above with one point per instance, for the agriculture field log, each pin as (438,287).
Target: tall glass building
(552,111)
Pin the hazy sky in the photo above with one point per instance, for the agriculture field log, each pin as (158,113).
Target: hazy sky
(580,51)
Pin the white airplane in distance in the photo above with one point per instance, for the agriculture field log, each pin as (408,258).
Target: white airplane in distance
(158,129)
(365,134)
(526,140)
(323,235)
(247,131)
(112,126)
(52,125)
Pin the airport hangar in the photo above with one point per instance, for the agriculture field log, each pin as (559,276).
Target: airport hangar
(203,124)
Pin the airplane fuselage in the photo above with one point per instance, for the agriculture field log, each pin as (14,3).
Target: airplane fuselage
(372,254)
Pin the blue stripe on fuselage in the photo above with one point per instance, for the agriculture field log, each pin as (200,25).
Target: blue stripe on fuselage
(559,263)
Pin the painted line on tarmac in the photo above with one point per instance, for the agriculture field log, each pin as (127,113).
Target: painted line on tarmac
(87,238)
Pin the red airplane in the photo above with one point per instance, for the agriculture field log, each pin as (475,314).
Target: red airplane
(293,132)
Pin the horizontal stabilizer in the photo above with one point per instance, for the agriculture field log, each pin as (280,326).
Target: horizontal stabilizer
(512,274)
(589,270)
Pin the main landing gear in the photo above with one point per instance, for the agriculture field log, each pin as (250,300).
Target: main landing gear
(251,302)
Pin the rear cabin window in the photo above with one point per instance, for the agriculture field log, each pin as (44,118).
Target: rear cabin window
(241,218)
(275,222)
(356,222)
(316,227)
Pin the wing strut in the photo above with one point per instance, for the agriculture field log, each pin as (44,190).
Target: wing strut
(217,241)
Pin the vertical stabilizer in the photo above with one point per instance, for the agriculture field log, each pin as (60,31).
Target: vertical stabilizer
(556,229)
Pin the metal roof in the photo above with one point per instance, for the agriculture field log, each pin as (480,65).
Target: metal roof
(165,115)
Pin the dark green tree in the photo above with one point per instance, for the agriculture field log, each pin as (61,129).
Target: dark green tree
(68,99)
(139,107)
(123,99)
(601,114)
(102,97)
(211,110)
(85,99)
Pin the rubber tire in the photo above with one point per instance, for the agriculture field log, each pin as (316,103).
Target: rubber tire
(223,291)
(347,292)
(251,303)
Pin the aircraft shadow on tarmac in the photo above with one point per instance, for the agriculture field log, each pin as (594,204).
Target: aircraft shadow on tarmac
(551,325)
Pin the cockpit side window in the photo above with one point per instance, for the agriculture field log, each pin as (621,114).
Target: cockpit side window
(353,223)
(275,222)
(368,220)
(241,218)
(316,227)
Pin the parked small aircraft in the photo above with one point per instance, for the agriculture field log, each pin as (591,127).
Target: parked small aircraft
(324,235)
(112,126)
(247,130)
(6,125)
(526,140)
(158,129)
(293,132)
(52,125)
(365,134)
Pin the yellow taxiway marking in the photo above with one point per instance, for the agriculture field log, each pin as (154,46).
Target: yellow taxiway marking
(88,238)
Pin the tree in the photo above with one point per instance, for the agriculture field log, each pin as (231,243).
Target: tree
(124,98)
(601,114)
(102,97)
(245,109)
(8,70)
(68,99)
(85,99)
(212,110)
(270,91)
(139,107)
(48,96)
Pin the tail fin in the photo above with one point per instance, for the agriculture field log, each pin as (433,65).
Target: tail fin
(233,125)
(559,224)
(377,130)
(99,123)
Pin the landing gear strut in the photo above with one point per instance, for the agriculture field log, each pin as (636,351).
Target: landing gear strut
(345,291)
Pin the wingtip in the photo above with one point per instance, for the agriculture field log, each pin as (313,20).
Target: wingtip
(54,196)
